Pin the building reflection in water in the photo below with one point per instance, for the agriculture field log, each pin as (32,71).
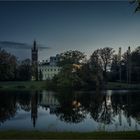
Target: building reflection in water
(109,108)
(49,101)
(45,99)
(34,107)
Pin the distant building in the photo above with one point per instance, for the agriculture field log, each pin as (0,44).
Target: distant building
(44,70)
(54,60)
(49,69)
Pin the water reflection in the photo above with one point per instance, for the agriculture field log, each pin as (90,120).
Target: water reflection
(70,110)
(46,110)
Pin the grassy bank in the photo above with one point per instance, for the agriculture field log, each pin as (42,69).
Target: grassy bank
(23,85)
(38,85)
(119,86)
(68,135)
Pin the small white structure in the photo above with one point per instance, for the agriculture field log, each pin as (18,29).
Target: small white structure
(48,71)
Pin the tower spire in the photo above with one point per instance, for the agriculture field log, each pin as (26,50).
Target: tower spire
(34,52)
(34,44)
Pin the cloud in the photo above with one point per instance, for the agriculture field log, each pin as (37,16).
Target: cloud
(17,45)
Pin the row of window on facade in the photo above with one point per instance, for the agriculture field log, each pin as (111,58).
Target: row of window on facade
(50,69)
(49,75)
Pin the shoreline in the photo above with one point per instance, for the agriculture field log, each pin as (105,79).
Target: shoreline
(69,135)
(40,85)
(22,85)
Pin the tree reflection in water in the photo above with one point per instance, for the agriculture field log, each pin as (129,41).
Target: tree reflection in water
(100,108)
(103,107)
(73,107)
(8,106)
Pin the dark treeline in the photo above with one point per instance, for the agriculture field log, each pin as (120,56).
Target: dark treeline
(129,61)
(11,69)
(103,66)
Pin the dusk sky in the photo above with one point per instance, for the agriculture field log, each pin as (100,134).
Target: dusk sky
(70,25)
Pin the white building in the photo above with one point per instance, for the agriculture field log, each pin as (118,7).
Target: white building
(49,69)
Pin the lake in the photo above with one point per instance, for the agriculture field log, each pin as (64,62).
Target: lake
(81,111)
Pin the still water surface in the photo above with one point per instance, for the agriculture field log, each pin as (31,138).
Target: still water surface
(70,111)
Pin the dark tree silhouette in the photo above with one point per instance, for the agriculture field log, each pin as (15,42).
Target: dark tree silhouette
(8,63)
(137,2)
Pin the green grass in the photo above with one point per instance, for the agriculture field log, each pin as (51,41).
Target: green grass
(69,135)
(117,85)
(22,85)
(38,85)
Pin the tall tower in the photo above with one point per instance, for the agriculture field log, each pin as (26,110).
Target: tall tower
(129,65)
(119,60)
(34,54)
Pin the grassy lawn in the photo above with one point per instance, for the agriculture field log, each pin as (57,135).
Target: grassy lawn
(117,85)
(38,85)
(22,85)
(69,135)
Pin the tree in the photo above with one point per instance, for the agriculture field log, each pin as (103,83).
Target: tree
(115,68)
(101,59)
(67,78)
(70,61)
(135,68)
(95,61)
(137,2)
(129,64)
(24,70)
(8,64)
(71,57)
(95,66)
(106,55)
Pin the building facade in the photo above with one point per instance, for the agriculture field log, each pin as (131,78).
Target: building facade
(44,70)
(48,71)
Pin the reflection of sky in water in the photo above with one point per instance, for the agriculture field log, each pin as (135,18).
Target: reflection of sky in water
(47,121)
